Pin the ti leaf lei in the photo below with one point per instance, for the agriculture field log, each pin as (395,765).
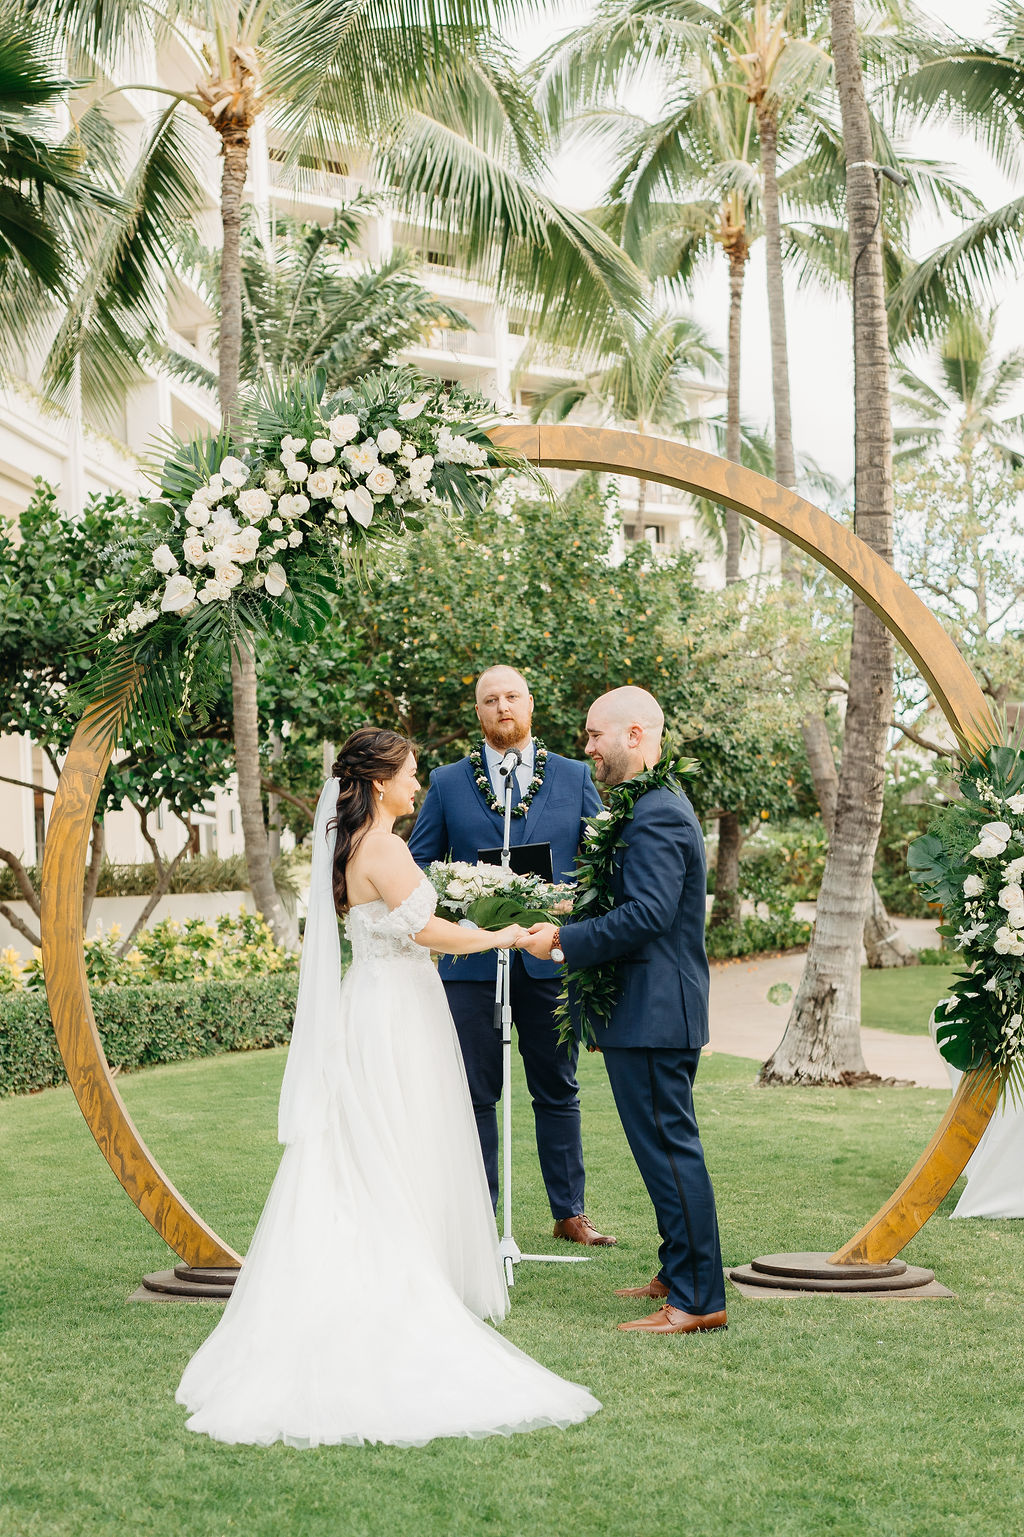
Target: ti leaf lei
(595,989)
(483,783)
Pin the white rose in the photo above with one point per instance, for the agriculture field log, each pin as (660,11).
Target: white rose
(220,554)
(214,591)
(195,550)
(380,480)
(295,538)
(1011,896)
(1014,870)
(279,544)
(292,446)
(973,886)
(408,451)
(410,409)
(456,890)
(389,440)
(298,503)
(362,457)
(988,848)
(233,471)
(1016,804)
(255,503)
(359,505)
(274,481)
(276,580)
(259,579)
(243,546)
(221,528)
(178,594)
(1015,918)
(321,482)
(296,469)
(322,450)
(275,524)
(343,429)
(229,575)
(197,513)
(164,559)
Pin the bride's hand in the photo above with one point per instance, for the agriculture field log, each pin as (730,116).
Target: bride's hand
(509,938)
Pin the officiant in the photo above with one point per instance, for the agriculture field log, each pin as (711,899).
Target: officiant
(461,815)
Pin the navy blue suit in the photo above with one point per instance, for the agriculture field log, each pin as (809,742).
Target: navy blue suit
(652,1042)
(456,822)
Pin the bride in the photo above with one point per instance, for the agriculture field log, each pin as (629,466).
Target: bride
(359,1313)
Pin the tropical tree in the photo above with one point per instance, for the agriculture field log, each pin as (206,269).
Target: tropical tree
(965,407)
(425,95)
(822,1039)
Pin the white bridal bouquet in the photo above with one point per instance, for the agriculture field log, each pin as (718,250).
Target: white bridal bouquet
(492,897)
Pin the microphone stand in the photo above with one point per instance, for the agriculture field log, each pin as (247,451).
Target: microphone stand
(509,1250)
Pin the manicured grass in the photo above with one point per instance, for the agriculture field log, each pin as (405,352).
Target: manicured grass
(809,1416)
(902,999)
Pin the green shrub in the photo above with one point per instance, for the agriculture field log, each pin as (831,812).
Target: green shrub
(936,956)
(141,1026)
(755,936)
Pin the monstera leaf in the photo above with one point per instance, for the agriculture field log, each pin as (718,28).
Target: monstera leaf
(498,911)
(928,866)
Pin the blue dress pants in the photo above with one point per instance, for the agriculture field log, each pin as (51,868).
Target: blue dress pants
(550,1077)
(653,1091)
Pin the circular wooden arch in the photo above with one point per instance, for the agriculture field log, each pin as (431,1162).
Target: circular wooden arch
(575,448)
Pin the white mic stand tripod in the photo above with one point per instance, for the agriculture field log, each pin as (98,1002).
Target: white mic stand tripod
(509,1249)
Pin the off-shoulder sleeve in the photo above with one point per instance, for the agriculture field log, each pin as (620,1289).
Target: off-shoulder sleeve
(417,910)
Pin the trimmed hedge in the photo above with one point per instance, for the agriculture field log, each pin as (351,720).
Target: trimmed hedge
(141,1026)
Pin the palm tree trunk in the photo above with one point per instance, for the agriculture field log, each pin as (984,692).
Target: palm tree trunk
(822,1040)
(245,700)
(785,463)
(737,254)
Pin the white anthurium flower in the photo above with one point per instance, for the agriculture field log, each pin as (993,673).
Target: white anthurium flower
(276,579)
(322,450)
(164,559)
(195,550)
(322,482)
(410,409)
(389,440)
(1016,804)
(381,480)
(1011,896)
(343,428)
(973,886)
(290,445)
(197,513)
(233,472)
(362,457)
(1001,830)
(255,503)
(359,505)
(988,848)
(178,594)
(275,524)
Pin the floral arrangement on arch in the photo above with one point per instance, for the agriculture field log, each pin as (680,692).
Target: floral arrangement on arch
(972,861)
(251,531)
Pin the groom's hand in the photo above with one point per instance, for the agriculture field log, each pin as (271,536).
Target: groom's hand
(539,941)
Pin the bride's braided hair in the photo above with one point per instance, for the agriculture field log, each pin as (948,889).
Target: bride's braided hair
(370,753)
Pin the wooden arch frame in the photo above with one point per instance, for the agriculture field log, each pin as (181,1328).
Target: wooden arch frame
(576,448)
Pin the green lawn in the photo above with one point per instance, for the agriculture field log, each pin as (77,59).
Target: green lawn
(809,1416)
(902,999)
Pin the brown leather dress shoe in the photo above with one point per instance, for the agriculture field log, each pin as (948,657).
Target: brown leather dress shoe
(581,1230)
(670,1320)
(654,1289)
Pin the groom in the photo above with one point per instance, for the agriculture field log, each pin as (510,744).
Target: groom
(462,813)
(652,1041)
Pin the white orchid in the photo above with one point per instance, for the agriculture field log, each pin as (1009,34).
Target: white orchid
(276,579)
(343,429)
(178,594)
(381,480)
(410,409)
(389,440)
(164,559)
(359,505)
(140,617)
(233,472)
(255,503)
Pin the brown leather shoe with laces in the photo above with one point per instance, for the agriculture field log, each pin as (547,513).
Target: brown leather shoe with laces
(581,1230)
(654,1289)
(670,1320)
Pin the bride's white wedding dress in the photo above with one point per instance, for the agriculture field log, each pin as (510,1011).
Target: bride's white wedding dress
(358,1315)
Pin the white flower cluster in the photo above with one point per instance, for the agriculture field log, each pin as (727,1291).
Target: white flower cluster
(459,884)
(1009,901)
(452,448)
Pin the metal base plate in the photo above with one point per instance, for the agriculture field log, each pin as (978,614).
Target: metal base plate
(813,1272)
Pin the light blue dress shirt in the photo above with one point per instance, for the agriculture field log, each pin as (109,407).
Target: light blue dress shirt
(524,773)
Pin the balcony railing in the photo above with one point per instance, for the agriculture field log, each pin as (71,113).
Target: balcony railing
(303,181)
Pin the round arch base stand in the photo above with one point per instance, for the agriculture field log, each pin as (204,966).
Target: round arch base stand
(817,1275)
(199,1282)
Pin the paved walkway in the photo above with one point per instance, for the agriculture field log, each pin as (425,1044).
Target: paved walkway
(745,1024)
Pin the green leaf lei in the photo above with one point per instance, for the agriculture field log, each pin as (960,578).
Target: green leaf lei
(595,989)
(540,758)
(972,861)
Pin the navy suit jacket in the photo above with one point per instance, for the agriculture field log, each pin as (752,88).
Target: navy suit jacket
(655,930)
(455,822)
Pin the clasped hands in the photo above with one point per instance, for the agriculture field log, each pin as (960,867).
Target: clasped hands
(537,941)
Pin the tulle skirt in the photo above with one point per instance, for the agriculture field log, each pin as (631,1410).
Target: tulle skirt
(359,1313)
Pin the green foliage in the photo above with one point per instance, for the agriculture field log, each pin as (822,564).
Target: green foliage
(206,872)
(908,807)
(142,1025)
(756,936)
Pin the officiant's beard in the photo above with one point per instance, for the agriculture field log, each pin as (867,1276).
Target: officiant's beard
(506,734)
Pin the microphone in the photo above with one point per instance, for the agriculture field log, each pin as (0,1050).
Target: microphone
(510,762)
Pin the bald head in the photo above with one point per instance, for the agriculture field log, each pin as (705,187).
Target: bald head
(624,731)
(504,707)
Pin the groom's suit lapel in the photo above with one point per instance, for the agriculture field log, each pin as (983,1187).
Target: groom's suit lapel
(527,825)
(477,795)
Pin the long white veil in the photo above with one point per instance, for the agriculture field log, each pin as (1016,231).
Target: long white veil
(304,1095)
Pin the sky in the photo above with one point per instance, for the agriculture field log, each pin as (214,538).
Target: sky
(818,327)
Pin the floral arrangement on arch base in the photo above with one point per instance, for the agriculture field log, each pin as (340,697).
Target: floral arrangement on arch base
(972,861)
(250,531)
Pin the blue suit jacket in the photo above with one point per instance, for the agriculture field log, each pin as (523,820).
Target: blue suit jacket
(655,930)
(455,822)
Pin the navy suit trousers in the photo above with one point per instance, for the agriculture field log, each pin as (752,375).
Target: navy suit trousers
(653,1089)
(550,1077)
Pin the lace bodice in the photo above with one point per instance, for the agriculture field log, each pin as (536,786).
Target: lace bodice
(377,932)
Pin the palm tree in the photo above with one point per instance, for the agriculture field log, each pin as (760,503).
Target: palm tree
(423,93)
(976,383)
(822,1039)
